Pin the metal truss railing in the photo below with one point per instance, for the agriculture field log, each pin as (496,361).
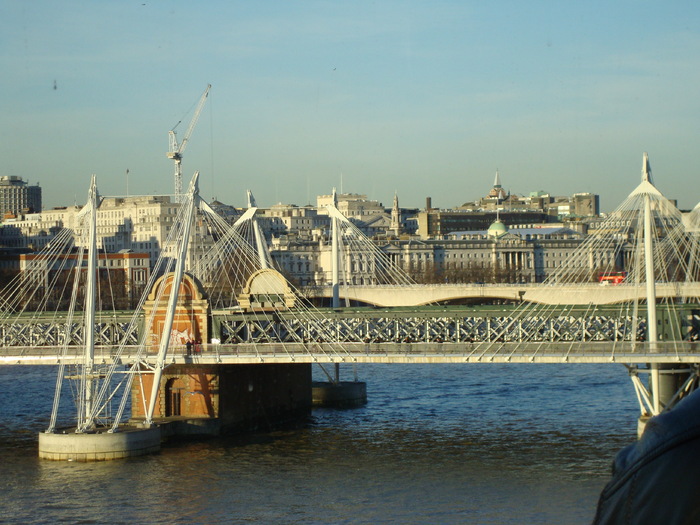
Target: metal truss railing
(476,336)
(34,333)
(435,329)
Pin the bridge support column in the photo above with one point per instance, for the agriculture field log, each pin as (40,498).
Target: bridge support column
(667,385)
(337,393)
(340,394)
(226,399)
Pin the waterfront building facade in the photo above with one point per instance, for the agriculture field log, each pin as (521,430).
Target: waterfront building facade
(459,245)
(123,285)
(140,224)
(498,254)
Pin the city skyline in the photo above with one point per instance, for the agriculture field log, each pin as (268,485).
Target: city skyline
(425,99)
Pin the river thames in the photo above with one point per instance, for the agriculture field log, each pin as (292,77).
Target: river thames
(474,443)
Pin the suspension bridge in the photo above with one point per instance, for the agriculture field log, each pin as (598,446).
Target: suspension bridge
(208,310)
(434,334)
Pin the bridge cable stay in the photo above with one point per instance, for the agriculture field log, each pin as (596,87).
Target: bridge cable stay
(29,294)
(164,265)
(38,312)
(180,254)
(109,389)
(573,271)
(260,242)
(230,261)
(247,227)
(170,255)
(655,244)
(357,250)
(692,223)
(237,241)
(123,351)
(366,255)
(356,257)
(360,257)
(69,322)
(608,253)
(225,259)
(315,319)
(538,322)
(545,312)
(225,268)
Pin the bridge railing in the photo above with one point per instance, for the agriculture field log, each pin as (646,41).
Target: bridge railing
(639,351)
(665,352)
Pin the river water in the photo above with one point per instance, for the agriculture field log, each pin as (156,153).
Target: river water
(473,443)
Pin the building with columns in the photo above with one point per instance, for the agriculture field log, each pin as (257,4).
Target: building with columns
(497,254)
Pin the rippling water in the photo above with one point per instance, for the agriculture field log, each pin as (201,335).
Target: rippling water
(502,444)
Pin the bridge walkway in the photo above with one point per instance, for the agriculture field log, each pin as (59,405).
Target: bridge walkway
(388,352)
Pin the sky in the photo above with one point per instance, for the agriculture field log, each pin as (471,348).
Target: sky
(418,98)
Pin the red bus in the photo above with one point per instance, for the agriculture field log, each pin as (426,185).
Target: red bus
(612,277)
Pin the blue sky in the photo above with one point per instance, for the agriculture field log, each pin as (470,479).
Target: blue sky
(422,98)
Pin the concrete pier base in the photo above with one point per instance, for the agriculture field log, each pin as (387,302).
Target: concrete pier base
(341,394)
(66,445)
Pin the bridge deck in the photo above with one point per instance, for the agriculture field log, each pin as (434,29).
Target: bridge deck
(593,352)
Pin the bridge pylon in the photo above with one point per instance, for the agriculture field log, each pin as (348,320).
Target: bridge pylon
(667,383)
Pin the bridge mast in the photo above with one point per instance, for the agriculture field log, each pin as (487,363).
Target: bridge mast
(193,193)
(85,417)
(652,331)
(260,243)
(335,273)
(335,280)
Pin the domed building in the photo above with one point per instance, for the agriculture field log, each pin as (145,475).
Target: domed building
(497,229)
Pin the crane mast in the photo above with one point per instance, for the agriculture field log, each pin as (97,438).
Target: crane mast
(176,150)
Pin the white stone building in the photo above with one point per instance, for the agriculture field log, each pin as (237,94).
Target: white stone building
(140,224)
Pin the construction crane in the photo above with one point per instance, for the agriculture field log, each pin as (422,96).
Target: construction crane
(176,150)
